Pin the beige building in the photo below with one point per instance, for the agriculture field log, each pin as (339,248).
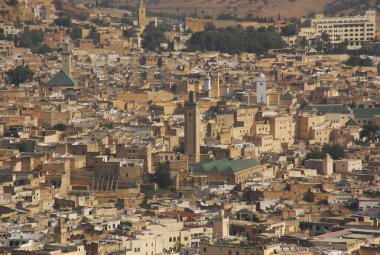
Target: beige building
(347,165)
(357,30)
(306,122)
(228,249)
(283,128)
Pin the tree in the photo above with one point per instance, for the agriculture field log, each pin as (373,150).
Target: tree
(370,133)
(30,38)
(13,3)
(129,33)
(43,49)
(58,4)
(359,61)
(24,146)
(289,30)
(159,62)
(108,125)
(334,150)
(64,21)
(20,74)
(59,127)
(76,33)
(177,246)
(225,16)
(303,42)
(142,60)
(162,176)
(180,148)
(210,27)
(317,154)
(234,40)
(153,37)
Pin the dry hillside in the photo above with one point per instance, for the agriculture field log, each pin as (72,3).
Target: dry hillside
(287,8)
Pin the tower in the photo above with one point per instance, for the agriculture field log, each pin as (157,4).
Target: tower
(142,14)
(221,226)
(192,134)
(61,234)
(327,165)
(207,84)
(261,89)
(215,85)
(66,60)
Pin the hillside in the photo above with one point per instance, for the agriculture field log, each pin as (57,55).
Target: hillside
(286,8)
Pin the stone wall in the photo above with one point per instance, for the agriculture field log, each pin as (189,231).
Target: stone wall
(197,25)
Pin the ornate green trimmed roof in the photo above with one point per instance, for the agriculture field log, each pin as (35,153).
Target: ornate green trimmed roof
(61,79)
(224,166)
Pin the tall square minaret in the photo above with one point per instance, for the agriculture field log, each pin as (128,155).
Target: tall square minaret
(261,89)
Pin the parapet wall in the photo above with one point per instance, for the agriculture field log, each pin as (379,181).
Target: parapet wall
(197,25)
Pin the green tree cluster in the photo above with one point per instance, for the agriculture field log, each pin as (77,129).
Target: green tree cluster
(370,133)
(359,61)
(42,49)
(64,21)
(73,15)
(162,176)
(153,37)
(334,150)
(289,30)
(20,74)
(59,127)
(13,3)
(30,38)
(128,33)
(234,40)
(23,146)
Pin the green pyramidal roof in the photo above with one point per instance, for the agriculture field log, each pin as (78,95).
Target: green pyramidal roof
(224,166)
(352,123)
(61,79)
(287,96)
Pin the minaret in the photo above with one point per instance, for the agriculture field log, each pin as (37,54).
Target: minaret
(142,14)
(221,225)
(207,84)
(327,165)
(215,92)
(61,234)
(261,89)
(66,60)
(192,134)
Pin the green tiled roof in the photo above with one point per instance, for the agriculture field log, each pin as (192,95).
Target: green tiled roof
(372,86)
(366,112)
(287,96)
(352,123)
(327,108)
(224,166)
(61,79)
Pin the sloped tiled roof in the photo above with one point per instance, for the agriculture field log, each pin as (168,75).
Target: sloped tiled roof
(287,96)
(61,79)
(352,123)
(224,166)
(366,112)
(327,108)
